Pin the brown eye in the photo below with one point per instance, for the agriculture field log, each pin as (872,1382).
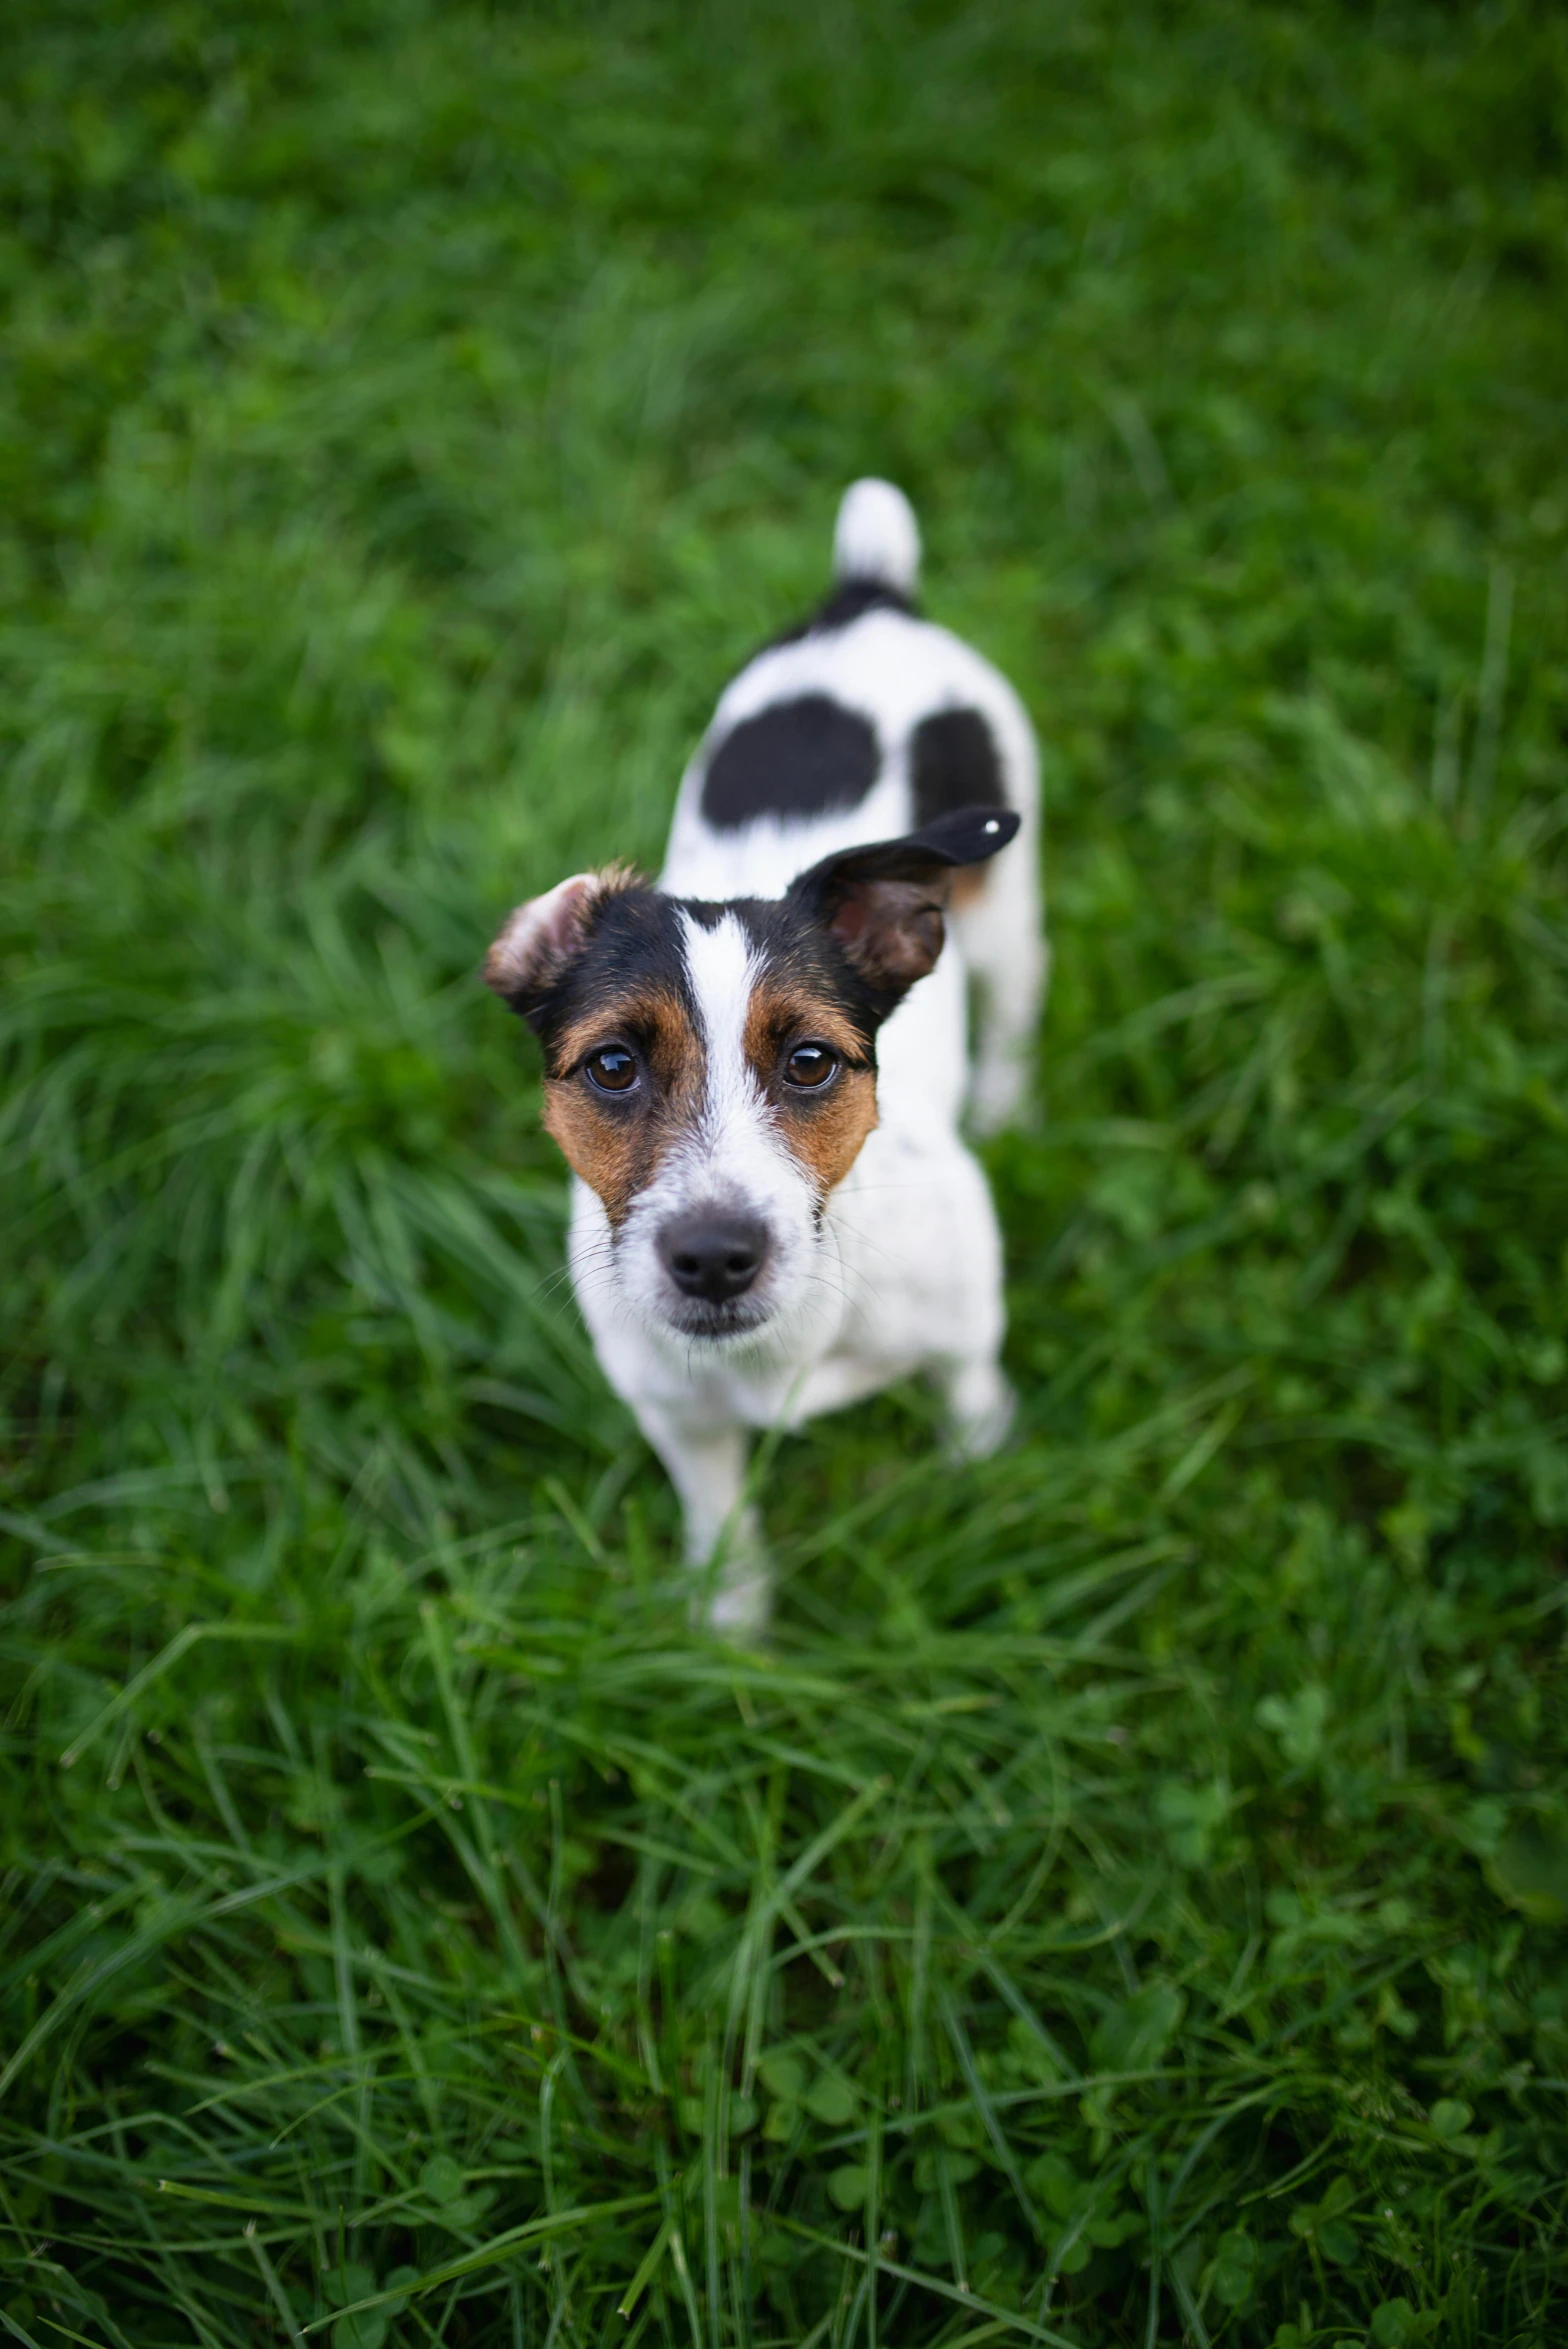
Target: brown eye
(810,1065)
(612,1069)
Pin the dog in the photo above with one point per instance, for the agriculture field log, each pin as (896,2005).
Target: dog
(756,1068)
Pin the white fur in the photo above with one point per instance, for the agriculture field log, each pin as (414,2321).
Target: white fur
(542,927)
(732,1159)
(903,1273)
(877,536)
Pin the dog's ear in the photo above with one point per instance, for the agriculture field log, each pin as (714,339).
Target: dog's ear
(883,903)
(538,941)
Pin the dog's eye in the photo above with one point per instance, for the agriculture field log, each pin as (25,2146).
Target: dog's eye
(809,1065)
(612,1069)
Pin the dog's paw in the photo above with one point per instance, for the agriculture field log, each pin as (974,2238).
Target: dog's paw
(732,1593)
(981,1408)
(740,1608)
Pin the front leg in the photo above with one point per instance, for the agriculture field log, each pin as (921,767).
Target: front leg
(706,1463)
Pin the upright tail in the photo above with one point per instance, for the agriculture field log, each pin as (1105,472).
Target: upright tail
(877,537)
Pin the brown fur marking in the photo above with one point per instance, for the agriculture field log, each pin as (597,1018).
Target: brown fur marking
(824,1131)
(616,1145)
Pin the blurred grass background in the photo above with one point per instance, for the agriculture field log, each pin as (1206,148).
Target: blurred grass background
(1129,1900)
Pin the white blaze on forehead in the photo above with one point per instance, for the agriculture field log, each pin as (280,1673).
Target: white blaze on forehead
(721,970)
(730,1155)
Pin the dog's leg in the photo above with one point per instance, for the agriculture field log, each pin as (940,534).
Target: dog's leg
(706,1463)
(967,1358)
(1010,962)
(1009,1018)
(980,1406)
(1002,940)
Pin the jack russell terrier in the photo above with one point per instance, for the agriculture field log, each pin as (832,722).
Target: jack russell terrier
(756,1068)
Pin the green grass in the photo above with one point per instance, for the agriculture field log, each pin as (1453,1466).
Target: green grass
(1129,1897)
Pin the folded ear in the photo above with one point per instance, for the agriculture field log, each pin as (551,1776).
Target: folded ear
(538,941)
(883,903)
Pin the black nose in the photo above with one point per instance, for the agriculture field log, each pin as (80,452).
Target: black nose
(713,1256)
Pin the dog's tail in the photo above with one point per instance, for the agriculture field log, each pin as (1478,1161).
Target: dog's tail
(877,537)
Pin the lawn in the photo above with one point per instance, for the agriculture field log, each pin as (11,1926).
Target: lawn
(1127,1903)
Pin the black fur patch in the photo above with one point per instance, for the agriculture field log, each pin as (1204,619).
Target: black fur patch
(965,836)
(796,948)
(806,757)
(953,764)
(635,945)
(634,941)
(850,601)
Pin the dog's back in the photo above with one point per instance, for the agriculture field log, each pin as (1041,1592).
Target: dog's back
(865,723)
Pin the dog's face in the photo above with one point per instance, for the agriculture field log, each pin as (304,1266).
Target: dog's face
(710,1070)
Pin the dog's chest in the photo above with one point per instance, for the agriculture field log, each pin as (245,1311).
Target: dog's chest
(907,1269)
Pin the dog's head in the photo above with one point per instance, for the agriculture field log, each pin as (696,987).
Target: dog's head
(710,1070)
